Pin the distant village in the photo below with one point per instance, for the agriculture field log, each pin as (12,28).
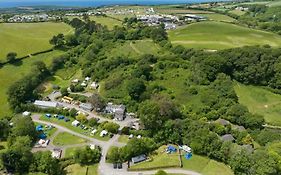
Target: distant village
(33,18)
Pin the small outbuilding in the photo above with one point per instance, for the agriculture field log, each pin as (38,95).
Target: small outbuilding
(45,104)
(86,106)
(103,133)
(26,113)
(139,159)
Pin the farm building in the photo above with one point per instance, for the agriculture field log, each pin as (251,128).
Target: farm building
(86,106)
(118,111)
(66,99)
(45,104)
(139,158)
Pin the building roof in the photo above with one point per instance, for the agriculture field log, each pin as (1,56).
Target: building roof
(227,137)
(87,106)
(48,104)
(139,158)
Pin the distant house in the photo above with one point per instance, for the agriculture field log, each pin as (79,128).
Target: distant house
(86,106)
(227,138)
(139,159)
(118,111)
(66,99)
(75,123)
(45,104)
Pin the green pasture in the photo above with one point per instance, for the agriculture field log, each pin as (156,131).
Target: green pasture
(180,11)
(69,152)
(206,166)
(159,159)
(123,139)
(10,73)
(237,12)
(220,35)
(77,169)
(65,138)
(27,38)
(261,101)
(107,21)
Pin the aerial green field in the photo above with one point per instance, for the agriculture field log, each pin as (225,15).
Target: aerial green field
(206,166)
(159,160)
(77,169)
(107,21)
(27,38)
(220,35)
(261,101)
(237,12)
(11,73)
(65,138)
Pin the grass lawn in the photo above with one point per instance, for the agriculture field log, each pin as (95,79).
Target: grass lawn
(76,169)
(11,73)
(65,138)
(261,101)
(237,12)
(123,139)
(27,38)
(160,159)
(206,166)
(76,129)
(220,35)
(106,21)
(69,152)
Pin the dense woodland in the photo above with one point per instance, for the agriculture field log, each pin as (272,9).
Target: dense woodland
(207,77)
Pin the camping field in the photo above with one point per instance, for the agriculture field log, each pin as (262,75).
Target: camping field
(206,166)
(77,169)
(261,101)
(219,35)
(27,38)
(11,73)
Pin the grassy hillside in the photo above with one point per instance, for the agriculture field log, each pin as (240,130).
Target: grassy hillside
(218,17)
(219,35)
(26,38)
(11,73)
(107,21)
(261,101)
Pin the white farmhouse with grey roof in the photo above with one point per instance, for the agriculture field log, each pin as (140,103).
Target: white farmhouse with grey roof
(118,111)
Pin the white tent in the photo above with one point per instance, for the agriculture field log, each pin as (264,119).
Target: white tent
(103,133)
(75,123)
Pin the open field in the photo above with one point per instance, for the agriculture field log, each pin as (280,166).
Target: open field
(160,159)
(123,139)
(107,21)
(206,166)
(180,11)
(11,73)
(261,101)
(219,35)
(64,138)
(237,12)
(76,169)
(27,38)
(69,152)
(267,3)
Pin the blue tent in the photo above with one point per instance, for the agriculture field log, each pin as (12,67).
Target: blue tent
(48,115)
(42,136)
(39,128)
(61,117)
(188,156)
(171,148)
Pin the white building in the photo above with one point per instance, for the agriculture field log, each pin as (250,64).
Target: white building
(103,133)
(46,104)
(26,114)
(75,123)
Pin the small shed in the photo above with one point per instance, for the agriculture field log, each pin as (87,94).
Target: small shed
(139,158)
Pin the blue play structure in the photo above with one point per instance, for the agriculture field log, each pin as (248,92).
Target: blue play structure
(39,128)
(48,115)
(171,149)
(188,156)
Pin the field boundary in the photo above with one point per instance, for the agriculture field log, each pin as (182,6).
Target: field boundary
(27,56)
